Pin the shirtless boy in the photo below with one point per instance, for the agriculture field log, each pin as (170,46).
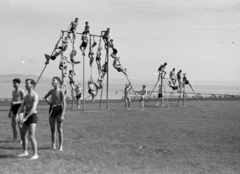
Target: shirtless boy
(56,111)
(29,122)
(160,96)
(17,99)
(161,71)
(105,35)
(84,44)
(143,96)
(127,97)
(72,29)
(172,76)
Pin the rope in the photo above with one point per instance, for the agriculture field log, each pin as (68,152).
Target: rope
(47,64)
(151,93)
(101,98)
(165,94)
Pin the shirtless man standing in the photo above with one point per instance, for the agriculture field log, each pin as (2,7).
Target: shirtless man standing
(17,99)
(29,121)
(127,97)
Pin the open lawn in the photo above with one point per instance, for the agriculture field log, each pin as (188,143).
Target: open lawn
(156,140)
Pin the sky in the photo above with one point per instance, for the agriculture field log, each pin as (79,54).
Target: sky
(201,38)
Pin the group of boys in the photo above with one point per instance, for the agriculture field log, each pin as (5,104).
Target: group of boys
(23,113)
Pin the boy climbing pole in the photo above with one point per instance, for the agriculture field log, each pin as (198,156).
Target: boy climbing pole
(98,59)
(91,90)
(91,53)
(72,57)
(161,72)
(116,65)
(72,30)
(83,46)
(58,50)
(105,35)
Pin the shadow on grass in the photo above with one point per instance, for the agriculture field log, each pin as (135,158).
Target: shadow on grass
(10,148)
(6,141)
(7,156)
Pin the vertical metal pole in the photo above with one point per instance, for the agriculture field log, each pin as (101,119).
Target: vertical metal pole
(183,96)
(72,93)
(107,76)
(83,83)
(161,90)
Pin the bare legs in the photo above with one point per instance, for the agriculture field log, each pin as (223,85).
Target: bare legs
(52,122)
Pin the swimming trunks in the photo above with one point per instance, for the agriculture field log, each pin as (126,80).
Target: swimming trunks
(15,108)
(84,45)
(78,96)
(159,95)
(32,119)
(98,58)
(55,110)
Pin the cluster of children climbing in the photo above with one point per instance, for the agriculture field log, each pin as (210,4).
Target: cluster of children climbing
(87,39)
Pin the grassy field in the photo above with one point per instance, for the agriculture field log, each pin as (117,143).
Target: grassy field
(156,140)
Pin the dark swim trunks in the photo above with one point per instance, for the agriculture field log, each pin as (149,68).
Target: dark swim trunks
(55,110)
(32,119)
(115,51)
(84,45)
(159,95)
(90,91)
(15,108)
(78,96)
(98,58)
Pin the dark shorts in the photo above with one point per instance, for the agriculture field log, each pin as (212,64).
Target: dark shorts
(174,87)
(15,108)
(32,119)
(78,96)
(159,95)
(71,82)
(90,54)
(98,58)
(119,69)
(115,51)
(90,91)
(72,29)
(84,45)
(55,111)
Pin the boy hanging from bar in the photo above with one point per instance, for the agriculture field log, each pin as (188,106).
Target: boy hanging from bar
(83,46)
(91,90)
(105,35)
(117,65)
(161,72)
(91,53)
(78,93)
(98,59)
(72,57)
(72,30)
(58,50)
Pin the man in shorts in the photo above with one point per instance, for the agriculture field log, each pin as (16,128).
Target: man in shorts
(56,111)
(143,96)
(160,96)
(17,99)
(161,71)
(72,29)
(127,97)
(30,119)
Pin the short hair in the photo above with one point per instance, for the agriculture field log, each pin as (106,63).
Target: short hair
(86,22)
(31,81)
(58,79)
(70,71)
(17,80)
(111,40)
(144,86)
(76,19)
(165,63)
(173,68)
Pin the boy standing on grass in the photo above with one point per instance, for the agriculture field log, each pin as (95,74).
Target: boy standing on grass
(160,96)
(143,96)
(17,99)
(29,122)
(56,111)
(127,97)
